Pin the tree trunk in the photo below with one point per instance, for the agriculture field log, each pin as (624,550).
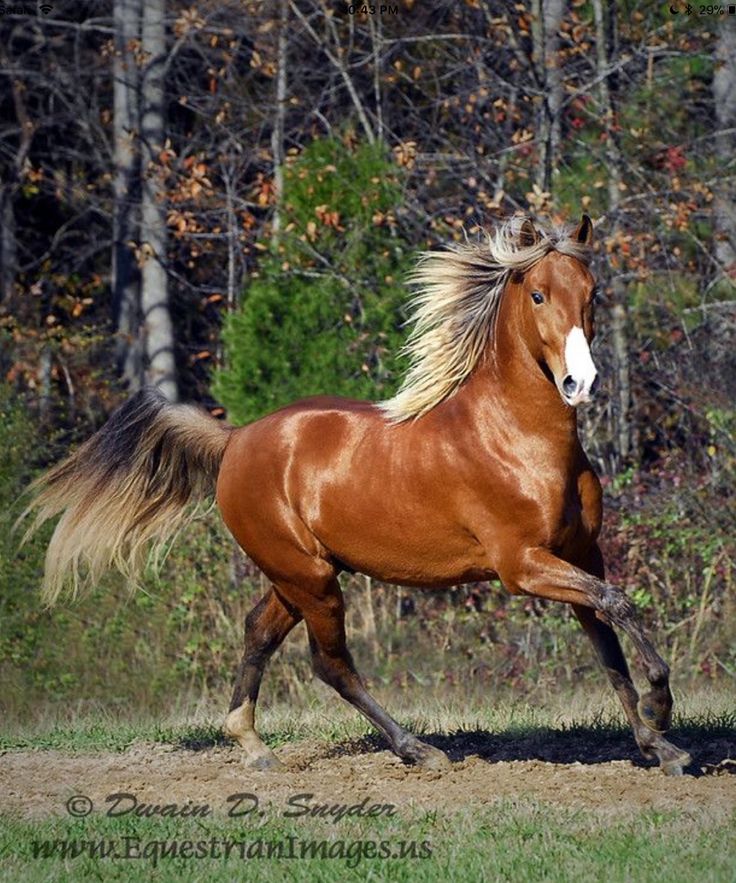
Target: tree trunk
(605,48)
(724,95)
(277,135)
(125,276)
(8,244)
(9,188)
(376,41)
(159,331)
(554,95)
(546,21)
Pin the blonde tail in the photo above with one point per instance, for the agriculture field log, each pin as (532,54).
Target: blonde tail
(131,483)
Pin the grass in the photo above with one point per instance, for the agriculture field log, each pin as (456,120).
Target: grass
(509,840)
(516,840)
(594,714)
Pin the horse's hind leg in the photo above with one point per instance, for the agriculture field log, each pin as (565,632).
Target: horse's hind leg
(324,614)
(266,626)
(609,652)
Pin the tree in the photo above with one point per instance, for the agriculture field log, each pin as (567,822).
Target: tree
(126,190)
(724,95)
(547,18)
(605,34)
(481,105)
(321,314)
(158,327)
(277,135)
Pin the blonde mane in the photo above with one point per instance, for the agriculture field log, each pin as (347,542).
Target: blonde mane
(455,310)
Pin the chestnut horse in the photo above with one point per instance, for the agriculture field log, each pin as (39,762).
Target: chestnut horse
(473,471)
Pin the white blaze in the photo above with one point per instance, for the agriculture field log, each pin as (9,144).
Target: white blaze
(579,364)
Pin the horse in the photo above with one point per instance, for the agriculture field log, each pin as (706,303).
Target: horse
(472,471)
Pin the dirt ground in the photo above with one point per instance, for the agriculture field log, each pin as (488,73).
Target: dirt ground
(35,784)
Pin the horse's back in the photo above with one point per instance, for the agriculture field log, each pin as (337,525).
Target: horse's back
(313,425)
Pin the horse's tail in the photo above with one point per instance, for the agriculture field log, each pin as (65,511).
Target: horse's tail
(131,483)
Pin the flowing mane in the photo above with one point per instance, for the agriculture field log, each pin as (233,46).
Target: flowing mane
(456,307)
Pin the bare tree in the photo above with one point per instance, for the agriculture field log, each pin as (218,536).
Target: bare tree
(546,20)
(334,51)
(126,157)
(277,135)
(158,327)
(605,28)
(9,187)
(724,94)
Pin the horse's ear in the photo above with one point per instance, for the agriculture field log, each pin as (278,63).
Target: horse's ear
(528,235)
(584,232)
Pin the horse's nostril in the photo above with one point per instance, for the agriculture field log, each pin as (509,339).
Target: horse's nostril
(594,385)
(569,385)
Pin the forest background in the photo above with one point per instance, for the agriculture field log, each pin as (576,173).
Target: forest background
(224,199)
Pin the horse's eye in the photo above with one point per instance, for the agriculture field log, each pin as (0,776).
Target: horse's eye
(537,297)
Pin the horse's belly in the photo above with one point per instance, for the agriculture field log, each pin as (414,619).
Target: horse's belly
(414,556)
(403,574)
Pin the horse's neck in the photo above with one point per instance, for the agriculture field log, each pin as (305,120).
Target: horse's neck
(521,395)
(510,385)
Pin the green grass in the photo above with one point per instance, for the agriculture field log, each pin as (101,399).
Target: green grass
(516,840)
(510,840)
(587,717)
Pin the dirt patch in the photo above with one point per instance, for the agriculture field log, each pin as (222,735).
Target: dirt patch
(34,784)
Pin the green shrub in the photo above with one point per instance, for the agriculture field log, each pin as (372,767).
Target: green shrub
(322,314)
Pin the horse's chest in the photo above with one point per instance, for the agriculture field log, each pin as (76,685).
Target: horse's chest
(551,507)
(569,522)
(575,521)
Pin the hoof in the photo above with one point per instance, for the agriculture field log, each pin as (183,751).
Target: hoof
(674,766)
(672,760)
(654,714)
(265,763)
(429,758)
(673,769)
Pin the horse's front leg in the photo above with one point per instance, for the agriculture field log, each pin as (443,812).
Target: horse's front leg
(600,605)
(608,649)
(606,644)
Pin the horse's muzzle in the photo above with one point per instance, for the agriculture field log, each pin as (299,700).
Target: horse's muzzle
(575,392)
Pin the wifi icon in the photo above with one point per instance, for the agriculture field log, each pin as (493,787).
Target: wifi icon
(45,8)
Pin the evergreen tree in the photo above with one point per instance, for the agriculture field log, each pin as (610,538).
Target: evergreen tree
(323,314)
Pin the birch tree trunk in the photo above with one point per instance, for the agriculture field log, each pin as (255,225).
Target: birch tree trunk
(605,48)
(159,332)
(277,135)
(546,21)
(125,276)
(724,95)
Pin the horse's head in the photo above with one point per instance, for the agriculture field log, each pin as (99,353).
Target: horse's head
(557,296)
